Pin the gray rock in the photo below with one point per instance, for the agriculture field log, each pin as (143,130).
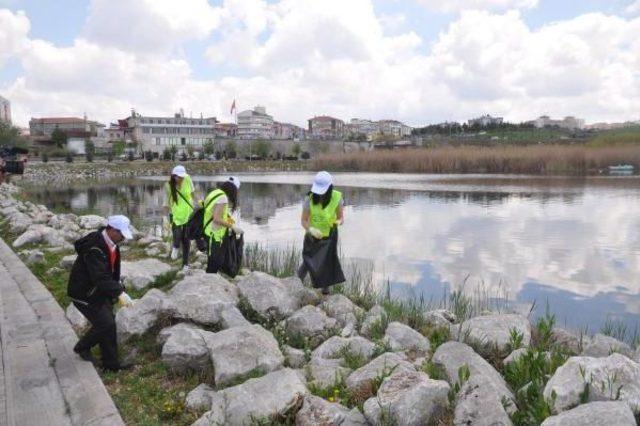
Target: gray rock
(605,375)
(38,234)
(232,317)
(481,396)
(602,346)
(75,317)
(19,222)
(166,332)
(273,395)
(186,349)
(514,356)
(139,318)
(408,398)
(239,350)
(402,338)
(271,297)
(440,318)
(361,380)
(375,315)
(495,330)
(140,274)
(68,261)
(202,298)
(317,411)
(200,398)
(342,308)
(91,222)
(33,256)
(565,339)
(334,346)
(295,358)
(312,323)
(601,413)
(324,373)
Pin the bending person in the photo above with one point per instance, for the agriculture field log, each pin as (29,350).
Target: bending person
(180,202)
(219,204)
(322,213)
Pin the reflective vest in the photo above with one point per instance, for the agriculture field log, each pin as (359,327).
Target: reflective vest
(323,218)
(218,234)
(181,208)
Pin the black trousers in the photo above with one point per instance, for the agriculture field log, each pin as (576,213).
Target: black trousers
(180,239)
(102,332)
(212,259)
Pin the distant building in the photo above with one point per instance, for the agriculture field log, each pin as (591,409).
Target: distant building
(255,124)
(611,126)
(394,128)
(485,121)
(226,130)
(74,127)
(325,127)
(568,122)
(359,126)
(288,131)
(5,110)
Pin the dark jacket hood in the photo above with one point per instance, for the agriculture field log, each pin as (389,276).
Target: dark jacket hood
(90,240)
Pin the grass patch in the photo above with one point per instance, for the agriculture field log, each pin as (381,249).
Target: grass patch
(277,262)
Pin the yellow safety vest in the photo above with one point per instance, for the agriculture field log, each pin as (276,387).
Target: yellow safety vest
(181,208)
(218,234)
(323,219)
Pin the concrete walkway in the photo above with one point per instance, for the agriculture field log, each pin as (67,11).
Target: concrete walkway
(42,381)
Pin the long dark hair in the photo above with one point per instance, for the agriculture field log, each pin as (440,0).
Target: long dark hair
(324,198)
(232,193)
(173,187)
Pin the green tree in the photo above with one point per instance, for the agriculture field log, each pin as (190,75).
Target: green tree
(261,148)
(10,135)
(174,150)
(118,147)
(89,149)
(296,150)
(209,147)
(59,137)
(231,149)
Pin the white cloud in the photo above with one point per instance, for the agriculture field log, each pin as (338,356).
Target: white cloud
(14,28)
(633,8)
(149,26)
(449,6)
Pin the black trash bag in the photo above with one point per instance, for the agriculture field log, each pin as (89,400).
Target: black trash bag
(320,257)
(228,257)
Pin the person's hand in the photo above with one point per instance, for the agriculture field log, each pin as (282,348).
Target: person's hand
(125,300)
(237,230)
(315,233)
(338,222)
(231,221)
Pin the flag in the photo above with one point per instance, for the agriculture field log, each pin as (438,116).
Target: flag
(233,106)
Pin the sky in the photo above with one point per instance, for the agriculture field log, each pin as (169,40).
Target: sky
(418,61)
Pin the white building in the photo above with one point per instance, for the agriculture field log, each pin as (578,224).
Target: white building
(5,110)
(568,122)
(255,124)
(157,133)
(359,126)
(485,120)
(394,128)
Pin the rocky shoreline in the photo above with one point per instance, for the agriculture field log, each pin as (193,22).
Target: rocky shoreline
(273,350)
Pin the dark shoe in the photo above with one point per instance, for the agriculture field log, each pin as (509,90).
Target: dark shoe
(85,354)
(120,367)
(325,290)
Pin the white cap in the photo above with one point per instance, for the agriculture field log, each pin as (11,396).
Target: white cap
(121,223)
(234,180)
(321,183)
(179,171)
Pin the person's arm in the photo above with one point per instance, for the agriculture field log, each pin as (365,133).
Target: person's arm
(304,219)
(340,215)
(218,209)
(98,269)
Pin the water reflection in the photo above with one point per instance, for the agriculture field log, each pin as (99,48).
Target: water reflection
(575,244)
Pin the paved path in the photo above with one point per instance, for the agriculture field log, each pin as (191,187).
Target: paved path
(42,381)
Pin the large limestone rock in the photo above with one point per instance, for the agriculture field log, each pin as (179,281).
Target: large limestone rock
(602,346)
(271,297)
(565,339)
(295,358)
(324,373)
(91,222)
(33,256)
(139,318)
(40,234)
(166,332)
(186,349)
(268,397)
(202,298)
(19,222)
(317,411)
(606,376)
(342,308)
(75,317)
(408,398)
(200,398)
(68,261)
(495,330)
(361,380)
(239,350)
(401,337)
(480,398)
(601,413)
(333,347)
(440,318)
(140,274)
(311,322)
(375,315)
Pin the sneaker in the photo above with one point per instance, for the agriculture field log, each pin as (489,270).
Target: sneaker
(85,355)
(174,253)
(186,268)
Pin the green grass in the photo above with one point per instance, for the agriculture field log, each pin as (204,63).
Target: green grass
(617,137)
(277,262)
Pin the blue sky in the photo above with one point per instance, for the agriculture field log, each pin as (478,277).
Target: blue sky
(420,61)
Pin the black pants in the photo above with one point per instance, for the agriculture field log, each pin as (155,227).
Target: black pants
(212,260)
(102,332)
(180,239)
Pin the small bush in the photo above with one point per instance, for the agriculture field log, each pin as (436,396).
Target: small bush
(68,157)
(45,157)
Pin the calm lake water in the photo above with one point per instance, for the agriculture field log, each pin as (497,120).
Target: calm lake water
(572,242)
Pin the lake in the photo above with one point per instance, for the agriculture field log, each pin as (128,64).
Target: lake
(571,242)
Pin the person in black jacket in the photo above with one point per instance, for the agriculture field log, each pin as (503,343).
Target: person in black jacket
(94,286)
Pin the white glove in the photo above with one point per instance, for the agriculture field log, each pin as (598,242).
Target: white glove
(315,233)
(125,300)
(237,230)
